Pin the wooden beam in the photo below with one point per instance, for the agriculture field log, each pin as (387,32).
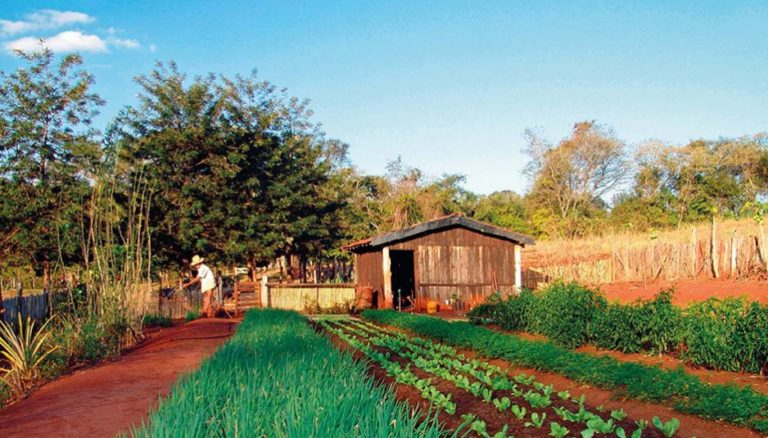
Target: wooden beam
(264,292)
(387,269)
(518,269)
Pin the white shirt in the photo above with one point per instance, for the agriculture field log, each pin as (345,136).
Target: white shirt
(207,281)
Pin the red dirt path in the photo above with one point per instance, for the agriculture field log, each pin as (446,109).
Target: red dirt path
(109,398)
(687,291)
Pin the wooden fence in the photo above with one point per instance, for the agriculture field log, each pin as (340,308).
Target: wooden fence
(34,306)
(175,307)
(671,255)
(311,298)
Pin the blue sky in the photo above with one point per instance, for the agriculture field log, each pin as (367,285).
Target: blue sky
(449,86)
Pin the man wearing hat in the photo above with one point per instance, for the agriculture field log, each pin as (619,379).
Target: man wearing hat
(207,283)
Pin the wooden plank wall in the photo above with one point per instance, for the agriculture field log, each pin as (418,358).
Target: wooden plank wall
(368,270)
(463,262)
(33,306)
(301,297)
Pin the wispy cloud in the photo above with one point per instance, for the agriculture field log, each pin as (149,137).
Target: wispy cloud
(68,41)
(124,43)
(43,20)
(25,34)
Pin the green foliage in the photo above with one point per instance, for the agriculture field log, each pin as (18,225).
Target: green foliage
(730,334)
(741,406)
(192,315)
(576,309)
(652,325)
(23,352)
(156,321)
(266,381)
(669,429)
(47,154)
(239,170)
(570,325)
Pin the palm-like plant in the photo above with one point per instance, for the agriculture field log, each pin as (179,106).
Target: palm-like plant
(23,353)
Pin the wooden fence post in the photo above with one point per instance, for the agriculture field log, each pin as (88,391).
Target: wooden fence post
(265,291)
(713,250)
(733,253)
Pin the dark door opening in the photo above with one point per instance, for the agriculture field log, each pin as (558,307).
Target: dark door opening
(403,283)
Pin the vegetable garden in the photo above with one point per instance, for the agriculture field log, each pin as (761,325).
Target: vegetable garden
(482,399)
(279,377)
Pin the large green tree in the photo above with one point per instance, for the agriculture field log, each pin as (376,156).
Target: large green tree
(239,170)
(47,155)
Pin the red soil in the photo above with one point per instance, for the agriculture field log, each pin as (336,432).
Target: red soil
(687,291)
(111,397)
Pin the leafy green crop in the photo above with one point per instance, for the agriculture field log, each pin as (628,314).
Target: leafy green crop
(729,334)
(669,428)
(686,392)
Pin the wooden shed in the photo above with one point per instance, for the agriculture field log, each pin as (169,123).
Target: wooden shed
(440,260)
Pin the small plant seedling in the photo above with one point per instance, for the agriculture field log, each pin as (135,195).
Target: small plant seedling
(669,429)
(557,430)
(487,395)
(503,432)
(479,426)
(641,424)
(518,412)
(618,415)
(524,379)
(599,425)
(620,433)
(536,420)
(564,395)
(502,404)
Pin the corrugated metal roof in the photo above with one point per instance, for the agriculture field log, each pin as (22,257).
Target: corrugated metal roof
(441,224)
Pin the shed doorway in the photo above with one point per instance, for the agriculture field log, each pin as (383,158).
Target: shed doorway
(403,279)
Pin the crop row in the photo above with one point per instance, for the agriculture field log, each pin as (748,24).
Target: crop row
(729,334)
(521,395)
(277,377)
(687,393)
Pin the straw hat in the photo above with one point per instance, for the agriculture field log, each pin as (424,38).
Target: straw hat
(196,260)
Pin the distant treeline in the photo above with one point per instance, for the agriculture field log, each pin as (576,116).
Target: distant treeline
(237,170)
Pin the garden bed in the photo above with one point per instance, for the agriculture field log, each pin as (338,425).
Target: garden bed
(474,394)
(675,389)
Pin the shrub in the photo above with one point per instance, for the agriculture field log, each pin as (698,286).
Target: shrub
(729,334)
(565,312)
(515,313)
(646,325)
(156,321)
(192,315)
(90,345)
(23,352)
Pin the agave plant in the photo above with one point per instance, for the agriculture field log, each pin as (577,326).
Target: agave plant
(23,353)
